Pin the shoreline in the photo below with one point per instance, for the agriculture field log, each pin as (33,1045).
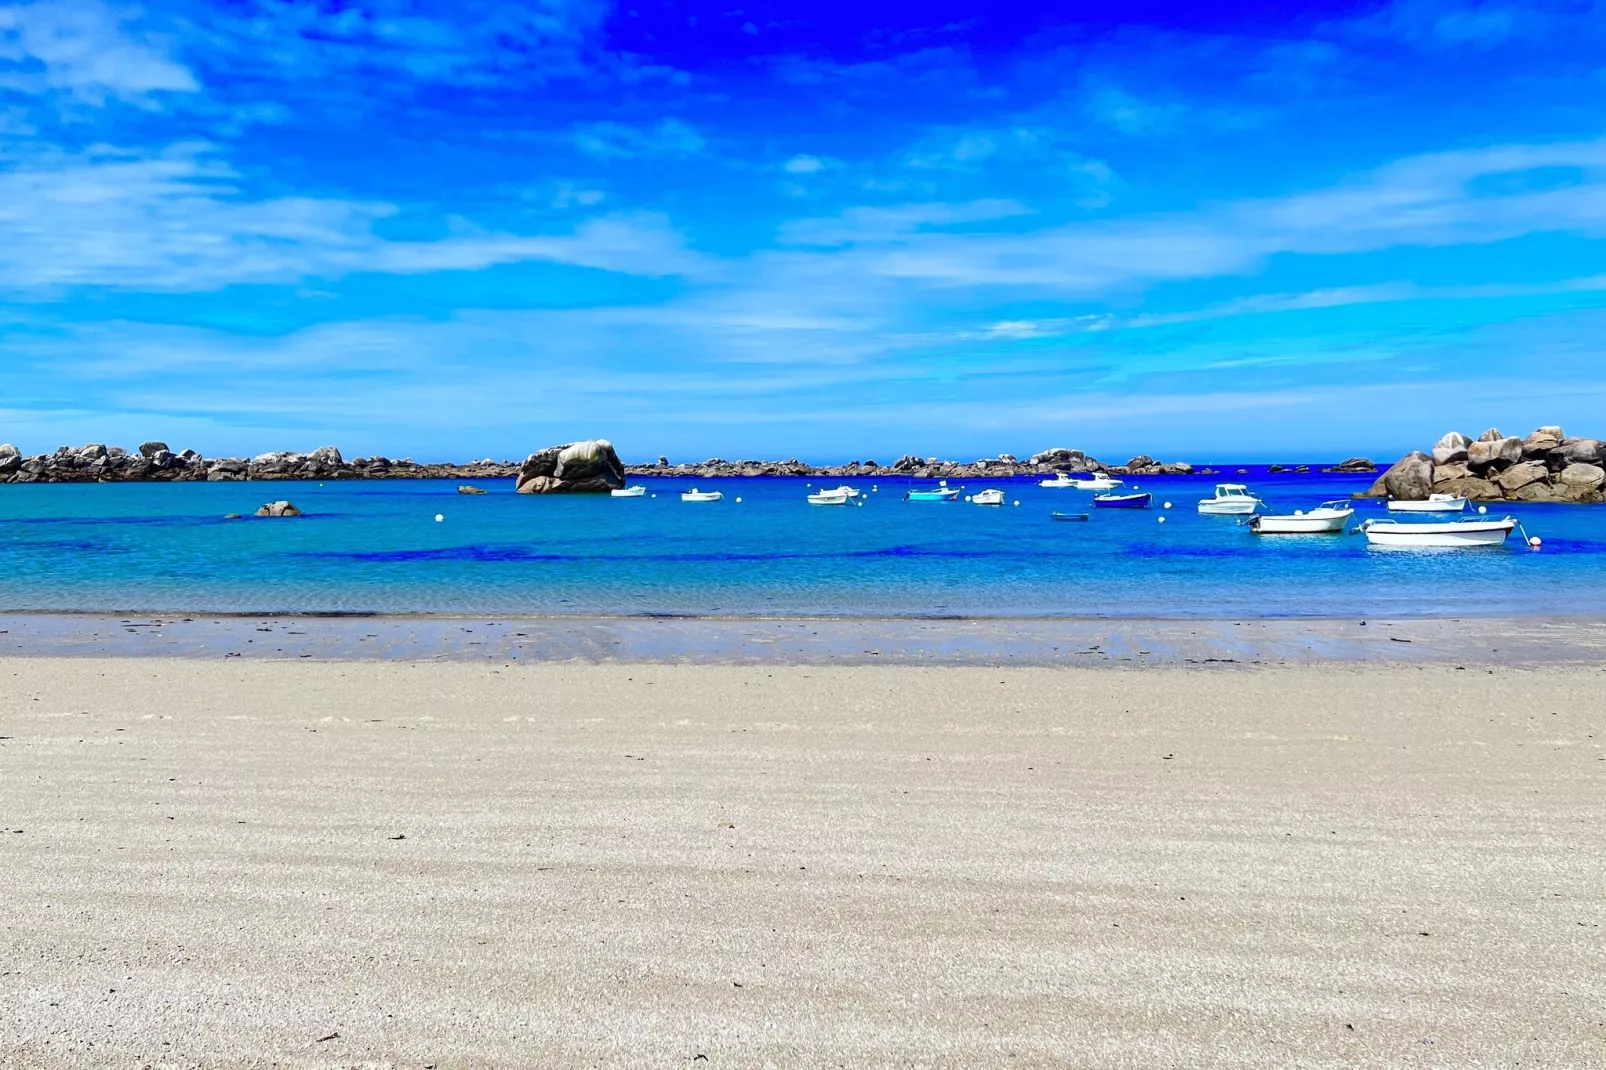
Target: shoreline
(749,640)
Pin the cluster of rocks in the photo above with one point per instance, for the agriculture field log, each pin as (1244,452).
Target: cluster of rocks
(911,466)
(155,462)
(1547,466)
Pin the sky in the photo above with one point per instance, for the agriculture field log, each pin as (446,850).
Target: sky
(471,228)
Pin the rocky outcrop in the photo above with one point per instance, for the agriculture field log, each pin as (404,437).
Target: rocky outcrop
(1546,466)
(573,468)
(279,508)
(1353,464)
(156,462)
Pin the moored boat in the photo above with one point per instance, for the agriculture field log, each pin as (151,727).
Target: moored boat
(695,495)
(828,497)
(1433,503)
(988,497)
(1231,499)
(636,491)
(942,492)
(1327,518)
(1437,533)
(1098,481)
(1067,516)
(1122,501)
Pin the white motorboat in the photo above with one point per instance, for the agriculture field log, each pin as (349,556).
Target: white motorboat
(828,497)
(1100,481)
(695,495)
(1231,499)
(636,491)
(987,497)
(844,490)
(1327,518)
(1433,503)
(1444,533)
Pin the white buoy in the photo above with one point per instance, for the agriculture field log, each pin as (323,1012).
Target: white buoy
(1168,505)
(1017,502)
(654,495)
(1162,520)
(1534,542)
(439,517)
(738,501)
(1483,508)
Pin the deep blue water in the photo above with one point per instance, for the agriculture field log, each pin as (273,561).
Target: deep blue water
(377,547)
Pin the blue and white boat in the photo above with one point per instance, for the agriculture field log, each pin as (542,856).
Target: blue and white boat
(1122,501)
(941,493)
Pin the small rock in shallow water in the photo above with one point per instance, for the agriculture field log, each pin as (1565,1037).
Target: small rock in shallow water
(280,508)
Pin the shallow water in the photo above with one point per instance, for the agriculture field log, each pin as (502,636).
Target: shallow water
(376,547)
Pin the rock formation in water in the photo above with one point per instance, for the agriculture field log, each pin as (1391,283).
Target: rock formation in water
(573,468)
(279,508)
(1547,466)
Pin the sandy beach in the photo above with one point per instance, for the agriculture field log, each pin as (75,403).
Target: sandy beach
(304,863)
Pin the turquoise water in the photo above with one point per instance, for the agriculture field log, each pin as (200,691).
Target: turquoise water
(376,547)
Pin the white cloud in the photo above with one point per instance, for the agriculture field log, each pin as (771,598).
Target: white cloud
(804,165)
(1431,200)
(617,141)
(85,48)
(179,221)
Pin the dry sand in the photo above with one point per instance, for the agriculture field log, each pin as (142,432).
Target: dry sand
(202,863)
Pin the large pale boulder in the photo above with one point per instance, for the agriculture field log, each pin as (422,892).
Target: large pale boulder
(327,456)
(1443,473)
(151,449)
(1478,490)
(1520,475)
(1409,479)
(10,459)
(1584,476)
(1537,492)
(1542,441)
(1451,448)
(575,467)
(279,508)
(1491,435)
(1499,452)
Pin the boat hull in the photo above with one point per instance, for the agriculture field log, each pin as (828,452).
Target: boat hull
(629,492)
(932,495)
(1067,516)
(1447,535)
(711,496)
(1306,524)
(1122,501)
(1214,508)
(1443,505)
(989,497)
(828,499)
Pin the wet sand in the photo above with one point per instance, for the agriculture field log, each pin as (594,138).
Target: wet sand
(261,863)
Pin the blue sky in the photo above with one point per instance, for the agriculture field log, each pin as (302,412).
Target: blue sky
(473,228)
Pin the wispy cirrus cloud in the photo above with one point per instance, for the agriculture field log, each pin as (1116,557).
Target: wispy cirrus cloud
(621,141)
(178,220)
(88,49)
(1439,199)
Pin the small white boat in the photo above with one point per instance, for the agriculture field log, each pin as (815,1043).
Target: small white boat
(636,491)
(844,490)
(828,497)
(695,495)
(1327,518)
(988,497)
(1481,532)
(1098,481)
(1434,503)
(1231,499)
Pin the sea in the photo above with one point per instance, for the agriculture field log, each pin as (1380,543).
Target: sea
(419,547)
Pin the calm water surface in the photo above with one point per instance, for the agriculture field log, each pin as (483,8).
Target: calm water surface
(377,547)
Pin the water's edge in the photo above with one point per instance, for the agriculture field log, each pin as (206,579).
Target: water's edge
(1470,642)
